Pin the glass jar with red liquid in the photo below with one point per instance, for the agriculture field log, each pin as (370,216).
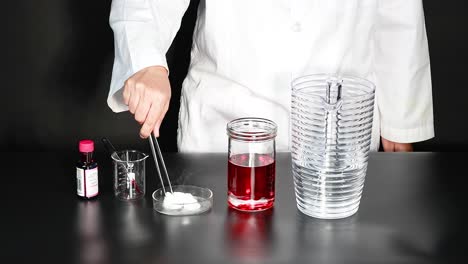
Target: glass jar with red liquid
(251,164)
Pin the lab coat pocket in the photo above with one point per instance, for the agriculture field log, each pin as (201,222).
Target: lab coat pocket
(211,102)
(367,3)
(191,125)
(342,7)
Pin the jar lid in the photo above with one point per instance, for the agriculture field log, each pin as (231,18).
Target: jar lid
(86,145)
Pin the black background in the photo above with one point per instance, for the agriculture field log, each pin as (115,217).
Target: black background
(59,56)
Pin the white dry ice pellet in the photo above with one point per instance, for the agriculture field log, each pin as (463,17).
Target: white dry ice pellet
(180,201)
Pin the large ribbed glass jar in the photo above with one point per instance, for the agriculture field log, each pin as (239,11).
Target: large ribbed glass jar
(251,163)
(331,125)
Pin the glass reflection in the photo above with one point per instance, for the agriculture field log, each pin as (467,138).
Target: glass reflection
(326,240)
(134,228)
(249,235)
(91,246)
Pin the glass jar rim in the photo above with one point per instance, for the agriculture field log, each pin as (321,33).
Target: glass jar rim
(116,156)
(301,84)
(252,129)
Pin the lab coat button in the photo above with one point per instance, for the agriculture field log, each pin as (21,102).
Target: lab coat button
(296,27)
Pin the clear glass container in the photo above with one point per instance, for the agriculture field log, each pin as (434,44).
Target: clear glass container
(251,164)
(331,119)
(129,174)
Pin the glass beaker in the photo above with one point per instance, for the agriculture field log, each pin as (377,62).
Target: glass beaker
(129,174)
(251,164)
(331,119)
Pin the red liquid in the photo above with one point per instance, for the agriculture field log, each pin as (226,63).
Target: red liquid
(251,182)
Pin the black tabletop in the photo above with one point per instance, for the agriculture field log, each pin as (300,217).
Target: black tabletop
(412,211)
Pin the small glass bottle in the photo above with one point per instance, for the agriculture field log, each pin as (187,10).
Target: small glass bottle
(251,164)
(87,183)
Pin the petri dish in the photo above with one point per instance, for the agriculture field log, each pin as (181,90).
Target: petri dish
(203,203)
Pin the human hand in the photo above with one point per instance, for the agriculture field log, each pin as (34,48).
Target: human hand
(390,146)
(147,94)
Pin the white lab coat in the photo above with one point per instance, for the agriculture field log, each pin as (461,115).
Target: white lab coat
(246,53)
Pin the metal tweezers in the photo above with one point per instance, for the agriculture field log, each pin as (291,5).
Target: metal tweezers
(154,144)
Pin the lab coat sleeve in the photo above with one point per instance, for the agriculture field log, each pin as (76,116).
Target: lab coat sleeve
(143,32)
(404,92)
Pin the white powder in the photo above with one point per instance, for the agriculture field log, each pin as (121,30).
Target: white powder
(180,201)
